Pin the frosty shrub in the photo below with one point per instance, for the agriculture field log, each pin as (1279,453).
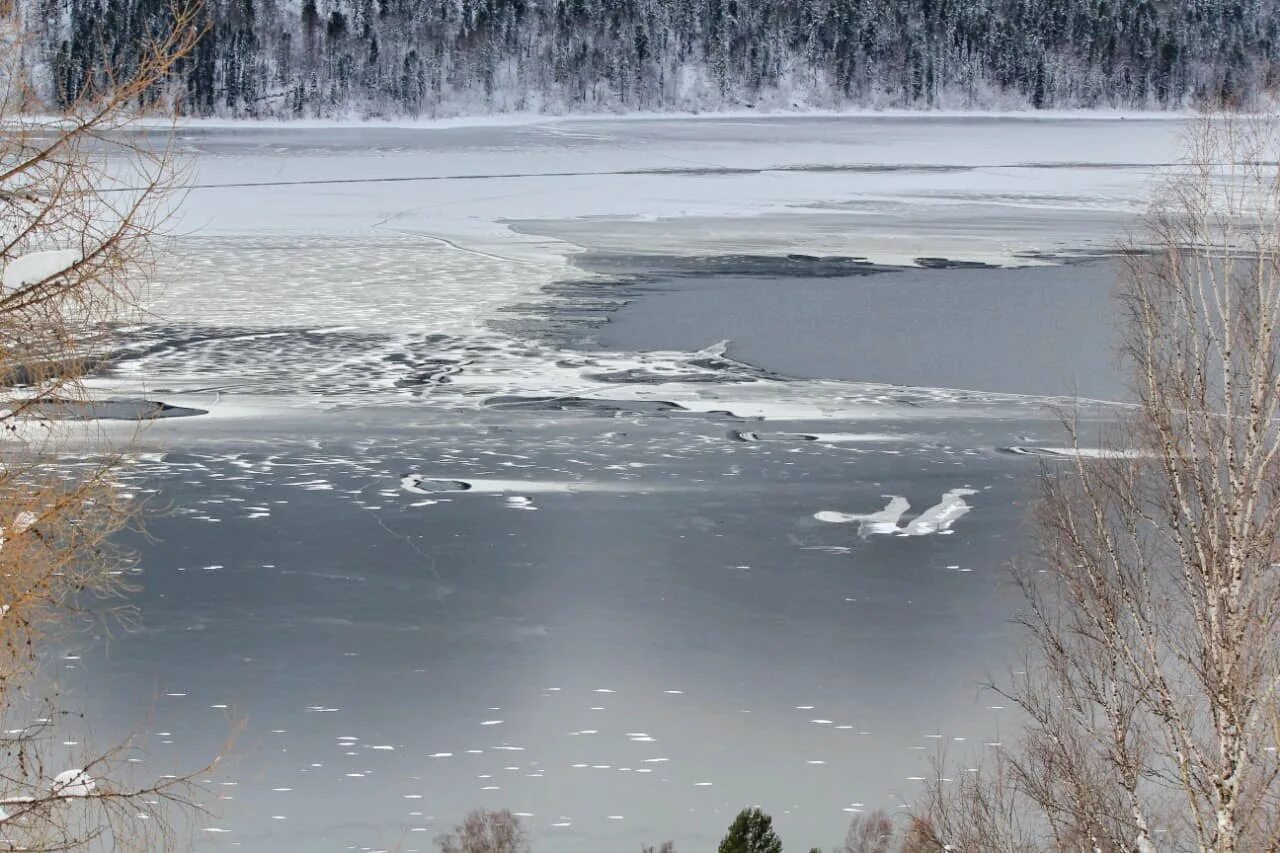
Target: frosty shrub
(484,831)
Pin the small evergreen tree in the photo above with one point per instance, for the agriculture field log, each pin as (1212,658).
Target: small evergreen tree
(751,832)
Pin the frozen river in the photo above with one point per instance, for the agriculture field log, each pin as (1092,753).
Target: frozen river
(619,473)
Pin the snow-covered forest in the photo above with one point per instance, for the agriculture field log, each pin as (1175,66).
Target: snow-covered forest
(447,57)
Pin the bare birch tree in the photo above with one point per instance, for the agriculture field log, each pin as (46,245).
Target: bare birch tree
(485,831)
(79,208)
(1150,700)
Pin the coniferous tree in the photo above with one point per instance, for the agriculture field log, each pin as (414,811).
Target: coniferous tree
(398,56)
(751,832)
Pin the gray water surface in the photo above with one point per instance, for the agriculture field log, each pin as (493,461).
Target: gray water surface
(633,620)
(1048,331)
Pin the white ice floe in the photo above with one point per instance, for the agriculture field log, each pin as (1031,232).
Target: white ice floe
(884,521)
(422,485)
(821,437)
(1078,452)
(938,518)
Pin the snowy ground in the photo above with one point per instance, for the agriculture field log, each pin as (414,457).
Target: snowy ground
(485,513)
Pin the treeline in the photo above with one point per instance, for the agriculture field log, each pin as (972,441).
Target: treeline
(485,831)
(313,58)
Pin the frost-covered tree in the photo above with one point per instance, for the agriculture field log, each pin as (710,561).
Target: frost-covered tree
(485,831)
(393,56)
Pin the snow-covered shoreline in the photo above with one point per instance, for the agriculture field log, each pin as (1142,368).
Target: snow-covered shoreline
(519,119)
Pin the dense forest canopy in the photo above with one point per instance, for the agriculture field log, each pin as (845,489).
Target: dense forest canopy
(448,57)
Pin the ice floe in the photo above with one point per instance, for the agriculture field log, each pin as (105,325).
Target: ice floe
(1076,452)
(938,518)
(423,485)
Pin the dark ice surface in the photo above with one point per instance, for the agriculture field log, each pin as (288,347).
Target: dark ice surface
(359,635)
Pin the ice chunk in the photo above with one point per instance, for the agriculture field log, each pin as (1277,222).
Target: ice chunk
(883,522)
(936,519)
(940,517)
